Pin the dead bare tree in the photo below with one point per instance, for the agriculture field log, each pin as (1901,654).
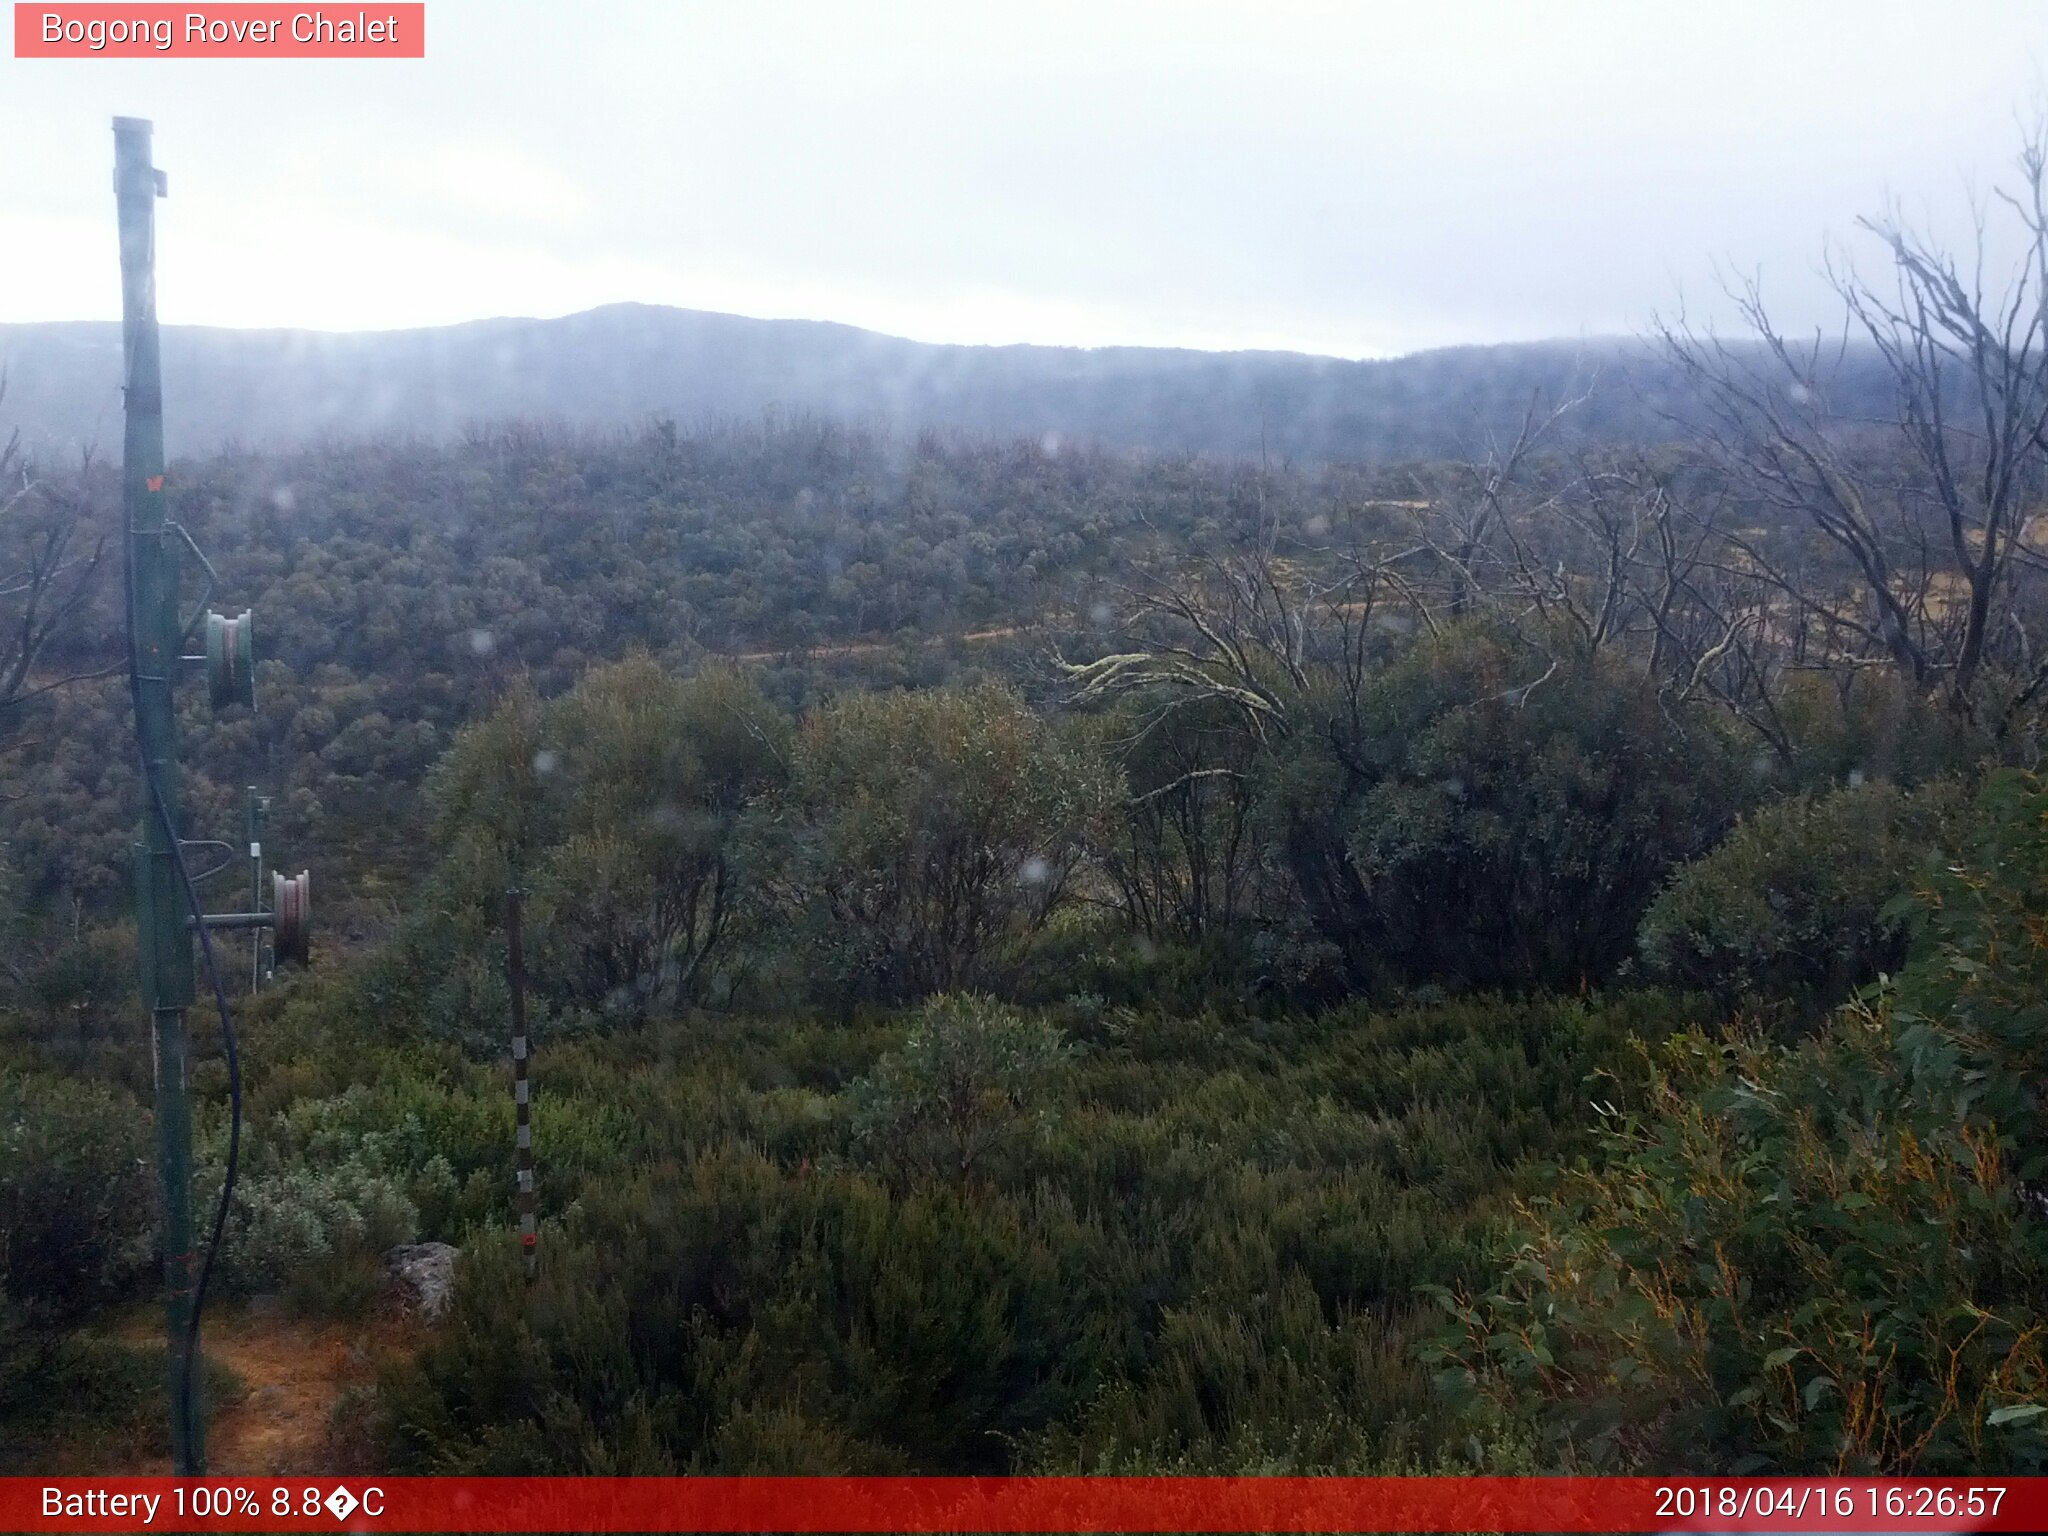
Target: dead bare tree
(1466,528)
(1929,518)
(51,559)
(1712,607)
(1227,628)
(1256,627)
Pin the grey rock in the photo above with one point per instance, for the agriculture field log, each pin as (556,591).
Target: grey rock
(425,1276)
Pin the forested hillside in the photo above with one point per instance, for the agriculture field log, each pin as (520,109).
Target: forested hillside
(1051,958)
(626,364)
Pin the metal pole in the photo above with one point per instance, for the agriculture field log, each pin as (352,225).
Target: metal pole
(522,1096)
(154,644)
(252,820)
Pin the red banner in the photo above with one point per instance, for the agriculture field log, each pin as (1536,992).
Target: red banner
(261,30)
(1020,1504)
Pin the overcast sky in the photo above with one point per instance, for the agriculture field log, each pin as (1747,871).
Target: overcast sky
(1358,178)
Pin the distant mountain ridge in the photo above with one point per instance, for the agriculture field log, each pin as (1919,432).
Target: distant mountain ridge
(628,363)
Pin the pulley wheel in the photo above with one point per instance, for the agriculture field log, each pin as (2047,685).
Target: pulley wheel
(291,916)
(231,659)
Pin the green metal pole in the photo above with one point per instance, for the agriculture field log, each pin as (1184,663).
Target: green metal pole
(252,821)
(154,644)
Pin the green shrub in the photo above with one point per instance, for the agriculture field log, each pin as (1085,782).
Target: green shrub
(1486,818)
(1275,1384)
(326,1188)
(1205,1259)
(620,804)
(969,1076)
(925,837)
(1821,1259)
(76,1198)
(75,1404)
(1875,726)
(286,1227)
(651,774)
(684,1313)
(1794,905)
(76,1002)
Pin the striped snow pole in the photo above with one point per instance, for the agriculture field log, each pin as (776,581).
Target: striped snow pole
(522,1095)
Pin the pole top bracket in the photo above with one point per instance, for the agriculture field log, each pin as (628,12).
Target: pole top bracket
(157,178)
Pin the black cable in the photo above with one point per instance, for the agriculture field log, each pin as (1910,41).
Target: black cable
(234,1062)
(212,869)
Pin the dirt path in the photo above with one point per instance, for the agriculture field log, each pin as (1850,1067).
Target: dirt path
(294,1375)
(870,647)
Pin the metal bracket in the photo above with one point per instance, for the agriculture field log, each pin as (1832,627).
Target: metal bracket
(290,918)
(227,849)
(191,625)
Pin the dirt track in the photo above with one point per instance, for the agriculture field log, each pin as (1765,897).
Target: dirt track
(295,1374)
(869,647)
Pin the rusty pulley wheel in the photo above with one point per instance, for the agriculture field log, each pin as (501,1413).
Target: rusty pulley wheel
(231,659)
(291,915)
